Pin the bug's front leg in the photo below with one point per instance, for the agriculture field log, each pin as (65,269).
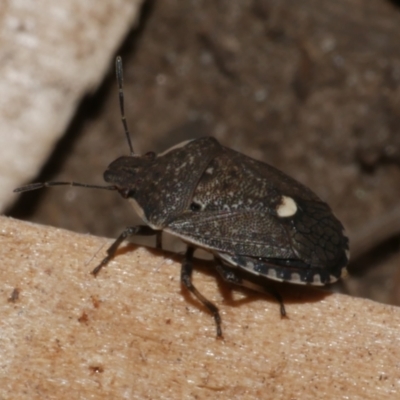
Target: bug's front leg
(140,230)
(230,275)
(186,280)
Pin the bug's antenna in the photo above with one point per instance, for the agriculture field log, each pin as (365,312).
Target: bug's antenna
(120,81)
(40,185)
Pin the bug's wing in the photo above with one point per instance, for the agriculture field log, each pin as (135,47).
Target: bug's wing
(308,237)
(239,232)
(264,245)
(238,208)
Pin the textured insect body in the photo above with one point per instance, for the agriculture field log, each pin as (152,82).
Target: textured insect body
(161,187)
(246,212)
(254,218)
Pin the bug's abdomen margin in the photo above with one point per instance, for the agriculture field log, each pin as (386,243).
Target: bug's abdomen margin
(318,240)
(288,270)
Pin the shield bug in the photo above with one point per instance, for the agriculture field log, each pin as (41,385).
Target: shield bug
(258,223)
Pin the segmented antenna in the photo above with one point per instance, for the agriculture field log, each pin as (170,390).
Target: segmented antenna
(40,185)
(120,81)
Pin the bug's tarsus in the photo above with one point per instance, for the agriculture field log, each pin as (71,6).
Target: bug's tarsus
(186,280)
(120,81)
(278,298)
(159,240)
(140,230)
(40,185)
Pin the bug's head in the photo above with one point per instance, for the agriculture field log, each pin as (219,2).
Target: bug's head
(122,173)
(126,173)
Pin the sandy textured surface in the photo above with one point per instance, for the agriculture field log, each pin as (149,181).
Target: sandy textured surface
(131,332)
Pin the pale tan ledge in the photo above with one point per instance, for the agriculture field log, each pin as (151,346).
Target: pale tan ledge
(131,333)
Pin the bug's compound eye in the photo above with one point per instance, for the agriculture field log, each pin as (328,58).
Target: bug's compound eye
(287,207)
(195,207)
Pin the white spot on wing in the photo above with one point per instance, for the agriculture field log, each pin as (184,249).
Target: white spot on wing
(287,207)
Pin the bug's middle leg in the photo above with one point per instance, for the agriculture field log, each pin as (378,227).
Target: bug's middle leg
(230,275)
(186,280)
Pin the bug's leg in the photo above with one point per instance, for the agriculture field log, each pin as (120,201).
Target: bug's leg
(229,274)
(141,230)
(159,240)
(186,280)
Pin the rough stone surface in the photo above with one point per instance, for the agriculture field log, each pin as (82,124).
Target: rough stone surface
(52,54)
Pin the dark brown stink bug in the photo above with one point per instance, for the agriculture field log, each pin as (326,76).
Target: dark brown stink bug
(254,219)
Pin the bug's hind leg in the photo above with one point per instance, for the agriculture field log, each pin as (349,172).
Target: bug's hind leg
(231,275)
(186,280)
